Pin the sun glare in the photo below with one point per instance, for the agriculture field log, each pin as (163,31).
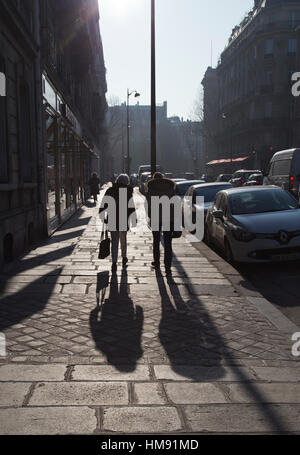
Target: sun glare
(121,7)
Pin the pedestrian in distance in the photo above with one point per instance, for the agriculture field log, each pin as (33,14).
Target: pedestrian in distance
(161,186)
(120,232)
(94,183)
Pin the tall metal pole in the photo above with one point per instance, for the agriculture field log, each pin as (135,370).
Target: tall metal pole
(153,91)
(128,127)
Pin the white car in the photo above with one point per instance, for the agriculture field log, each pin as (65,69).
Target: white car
(255,224)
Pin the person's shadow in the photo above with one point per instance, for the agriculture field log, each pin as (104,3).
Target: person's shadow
(185,336)
(116,326)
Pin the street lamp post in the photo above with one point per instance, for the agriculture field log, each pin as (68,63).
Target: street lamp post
(136,95)
(153,91)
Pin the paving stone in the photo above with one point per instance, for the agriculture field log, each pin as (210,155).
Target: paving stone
(79,393)
(198,373)
(277,374)
(194,393)
(243,418)
(48,421)
(13,394)
(19,373)
(265,393)
(141,420)
(74,289)
(149,393)
(110,373)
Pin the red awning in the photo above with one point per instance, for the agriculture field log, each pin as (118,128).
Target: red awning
(227,160)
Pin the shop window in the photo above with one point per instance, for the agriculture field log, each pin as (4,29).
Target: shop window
(3,130)
(25,142)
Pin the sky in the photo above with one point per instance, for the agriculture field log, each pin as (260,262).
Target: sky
(185,30)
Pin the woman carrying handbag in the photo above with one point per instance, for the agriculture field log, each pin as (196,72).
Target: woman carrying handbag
(120,233)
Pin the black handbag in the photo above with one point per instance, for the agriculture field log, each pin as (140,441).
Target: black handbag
(104,248)
(176,234)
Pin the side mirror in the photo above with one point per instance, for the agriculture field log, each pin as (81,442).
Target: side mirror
(218,214)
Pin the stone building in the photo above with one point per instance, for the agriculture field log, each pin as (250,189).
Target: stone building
(51,119)
(178,144)
(255,114)
(22,188)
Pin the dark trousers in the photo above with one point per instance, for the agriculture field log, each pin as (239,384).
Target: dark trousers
(167,247)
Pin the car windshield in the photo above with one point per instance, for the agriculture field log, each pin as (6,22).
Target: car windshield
(182,188)
(273,200)
(144,177)
(209,193)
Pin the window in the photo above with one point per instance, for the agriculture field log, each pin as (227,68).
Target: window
(292,47)
(269,47)
(3,133)
(25,142)
(223,204)
(217,201)
(294,19)
(269,78)
(268,109)
(282,167)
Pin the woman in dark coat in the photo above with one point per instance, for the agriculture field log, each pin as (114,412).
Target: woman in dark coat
(94,183)
(120,233)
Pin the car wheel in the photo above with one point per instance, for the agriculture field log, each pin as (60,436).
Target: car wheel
(228,253)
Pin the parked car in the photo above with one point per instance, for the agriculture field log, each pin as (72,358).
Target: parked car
(208,191)
(147,168)
(182,187)
(143,179)
(189,176)
(169,175)
(178,180)
(254,179)
(134,179)
(241,176)
(257,224)
(284,171)
(224,177)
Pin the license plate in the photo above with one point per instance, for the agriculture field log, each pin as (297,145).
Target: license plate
(285,257)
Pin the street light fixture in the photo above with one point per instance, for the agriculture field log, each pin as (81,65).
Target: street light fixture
(136,95)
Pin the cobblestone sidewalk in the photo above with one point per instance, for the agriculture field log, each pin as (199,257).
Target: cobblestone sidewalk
(89,351)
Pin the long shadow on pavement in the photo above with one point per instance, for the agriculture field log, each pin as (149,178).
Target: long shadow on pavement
(116,326)
(188,330)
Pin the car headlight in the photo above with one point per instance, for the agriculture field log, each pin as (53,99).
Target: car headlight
(241,234)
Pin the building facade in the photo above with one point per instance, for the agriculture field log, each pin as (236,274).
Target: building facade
(52,130)
(256,114)
(178,143)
